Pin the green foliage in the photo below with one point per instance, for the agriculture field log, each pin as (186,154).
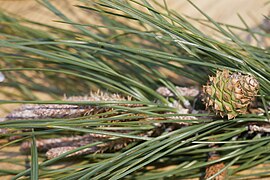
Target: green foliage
(125,53)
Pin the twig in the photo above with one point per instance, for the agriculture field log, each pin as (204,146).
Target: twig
(257,128)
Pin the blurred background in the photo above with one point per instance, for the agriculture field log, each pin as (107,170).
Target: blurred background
(223,10)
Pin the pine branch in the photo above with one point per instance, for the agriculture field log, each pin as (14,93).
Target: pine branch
(132,51)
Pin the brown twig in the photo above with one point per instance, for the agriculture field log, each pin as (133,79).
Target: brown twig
(57,146)
(44,111)
(259,128)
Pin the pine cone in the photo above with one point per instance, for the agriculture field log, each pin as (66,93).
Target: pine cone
(230,93)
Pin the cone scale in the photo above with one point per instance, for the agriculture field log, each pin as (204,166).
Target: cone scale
(229,94)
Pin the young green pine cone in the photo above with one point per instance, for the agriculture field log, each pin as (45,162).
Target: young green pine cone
(230,93)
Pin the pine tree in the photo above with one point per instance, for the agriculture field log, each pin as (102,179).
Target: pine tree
(136,122)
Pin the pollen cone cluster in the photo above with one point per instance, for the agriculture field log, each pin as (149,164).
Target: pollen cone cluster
(229,93)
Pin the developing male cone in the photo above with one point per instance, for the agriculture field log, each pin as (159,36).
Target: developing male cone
(230,93)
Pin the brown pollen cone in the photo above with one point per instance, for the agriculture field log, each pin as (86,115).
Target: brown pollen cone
(215,168)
